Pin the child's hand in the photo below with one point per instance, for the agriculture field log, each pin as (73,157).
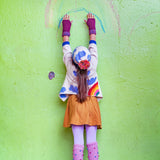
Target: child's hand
(91,23)
(66,25)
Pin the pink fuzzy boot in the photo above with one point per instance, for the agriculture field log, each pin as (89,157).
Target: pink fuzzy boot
(78,152)
(93,153)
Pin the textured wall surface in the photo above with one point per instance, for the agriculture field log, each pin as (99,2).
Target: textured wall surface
(31,114)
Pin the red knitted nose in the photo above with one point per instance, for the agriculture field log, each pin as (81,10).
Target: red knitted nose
(84,64)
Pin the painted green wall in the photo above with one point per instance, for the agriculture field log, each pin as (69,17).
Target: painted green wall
(31,114)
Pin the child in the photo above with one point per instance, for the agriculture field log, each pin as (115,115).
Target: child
(82,89)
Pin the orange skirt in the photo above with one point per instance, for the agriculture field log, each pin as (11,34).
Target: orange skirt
(86,113)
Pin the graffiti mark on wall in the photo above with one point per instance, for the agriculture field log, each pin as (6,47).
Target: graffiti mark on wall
(116,16)
(85,10)
(49,13)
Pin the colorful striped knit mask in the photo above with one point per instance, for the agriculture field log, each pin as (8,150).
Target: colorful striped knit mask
(82,57)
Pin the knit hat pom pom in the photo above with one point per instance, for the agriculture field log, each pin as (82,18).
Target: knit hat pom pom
(84,64)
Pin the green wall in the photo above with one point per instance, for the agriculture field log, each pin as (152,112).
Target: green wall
(31,114)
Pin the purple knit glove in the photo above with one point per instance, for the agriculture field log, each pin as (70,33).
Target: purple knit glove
(66,27)
(91,25)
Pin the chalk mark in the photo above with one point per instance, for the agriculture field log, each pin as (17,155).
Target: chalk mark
(79,10)
(49,13)
(46,13)
(60,8)
(140,18)
(136,22)
(117,17)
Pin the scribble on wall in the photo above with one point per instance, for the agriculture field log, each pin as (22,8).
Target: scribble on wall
(83,9)
(116,16)
(49,14)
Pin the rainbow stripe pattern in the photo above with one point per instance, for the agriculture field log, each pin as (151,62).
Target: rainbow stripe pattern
(94,90)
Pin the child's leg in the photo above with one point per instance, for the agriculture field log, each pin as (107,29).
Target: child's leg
(92,145)
(91,134)
(78,134)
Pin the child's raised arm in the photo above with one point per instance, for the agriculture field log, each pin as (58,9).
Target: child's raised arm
(66,28)
(92,35)
(91,25)
(67,57)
